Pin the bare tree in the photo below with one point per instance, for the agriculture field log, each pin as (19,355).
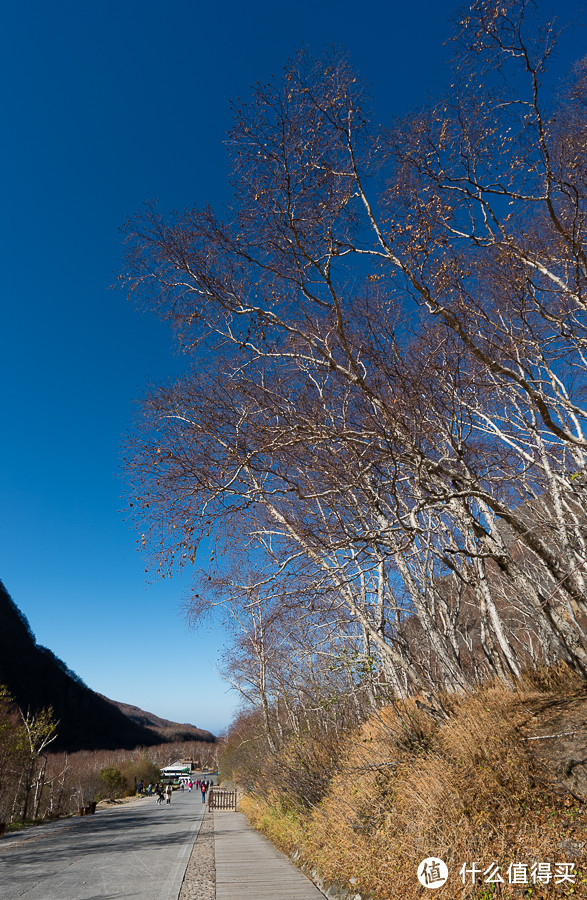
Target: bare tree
(394,390)
(38,732)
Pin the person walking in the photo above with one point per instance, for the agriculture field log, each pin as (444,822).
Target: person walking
(203,791)
(168,792)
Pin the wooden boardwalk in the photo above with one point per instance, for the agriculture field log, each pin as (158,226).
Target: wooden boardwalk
(249,867)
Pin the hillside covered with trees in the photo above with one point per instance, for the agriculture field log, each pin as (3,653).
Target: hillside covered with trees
(37,680)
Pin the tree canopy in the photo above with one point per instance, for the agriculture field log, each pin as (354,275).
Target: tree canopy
(384,421)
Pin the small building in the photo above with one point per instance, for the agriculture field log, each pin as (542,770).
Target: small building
(180,767)
(176,769)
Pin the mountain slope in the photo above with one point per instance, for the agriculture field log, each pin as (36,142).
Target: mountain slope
(36,678)
(166,729)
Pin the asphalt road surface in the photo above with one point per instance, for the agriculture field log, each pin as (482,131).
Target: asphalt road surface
(139,850)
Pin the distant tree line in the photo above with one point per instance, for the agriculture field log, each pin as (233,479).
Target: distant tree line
(37,783)
(382,433)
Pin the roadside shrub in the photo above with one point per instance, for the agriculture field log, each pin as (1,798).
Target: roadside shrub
(114,784)
(137,770)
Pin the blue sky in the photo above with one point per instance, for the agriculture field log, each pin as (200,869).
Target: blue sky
(105,106)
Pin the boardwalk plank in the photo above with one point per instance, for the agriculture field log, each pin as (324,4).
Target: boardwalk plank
(249,867)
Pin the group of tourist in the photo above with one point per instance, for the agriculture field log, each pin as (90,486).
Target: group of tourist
(164,793)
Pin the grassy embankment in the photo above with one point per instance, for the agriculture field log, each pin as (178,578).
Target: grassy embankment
(471,789)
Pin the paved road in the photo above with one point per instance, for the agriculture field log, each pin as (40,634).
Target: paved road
(137,851)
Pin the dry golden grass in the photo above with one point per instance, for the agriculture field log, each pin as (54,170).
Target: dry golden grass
(467,790)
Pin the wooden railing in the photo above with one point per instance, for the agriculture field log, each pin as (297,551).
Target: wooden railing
(219,798)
